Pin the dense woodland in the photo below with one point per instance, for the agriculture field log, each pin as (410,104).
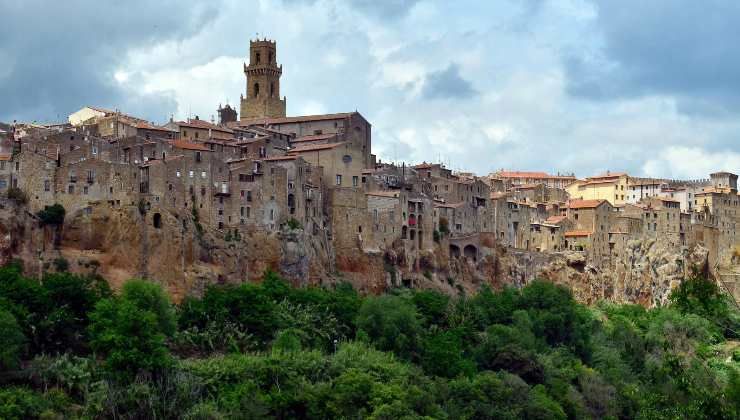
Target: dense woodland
(73,349)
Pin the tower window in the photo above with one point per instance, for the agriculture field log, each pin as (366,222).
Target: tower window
(256,89)
(257,58)
(272,89)
(270,57)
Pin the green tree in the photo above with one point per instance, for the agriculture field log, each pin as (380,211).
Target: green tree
(391,323)
(150,297)
(130,330)
(13,341)
(432,306)
(52,215)
(442,355)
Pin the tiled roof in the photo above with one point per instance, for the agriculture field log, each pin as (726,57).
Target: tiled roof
(609,175)
(450,205)
(600,181)
(584,204)
(555,219)
(204,125)
(5,156)
(389,194)
(315,147)
(530,174)
(495,195)
(578,233)
(423,166)
(303,118)
(143,125)
(188,145)
(315,137)
(279,158)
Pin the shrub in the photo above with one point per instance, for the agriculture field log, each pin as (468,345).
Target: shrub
(52,215)
(61,264)
(391,323)
(17,194)
(13,341)
(294,224)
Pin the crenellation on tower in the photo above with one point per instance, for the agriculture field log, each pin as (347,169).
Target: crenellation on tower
(262,98)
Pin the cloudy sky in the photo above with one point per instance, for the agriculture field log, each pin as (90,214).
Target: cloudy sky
(651,87)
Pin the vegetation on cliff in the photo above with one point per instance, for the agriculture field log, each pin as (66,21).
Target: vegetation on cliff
(73,349)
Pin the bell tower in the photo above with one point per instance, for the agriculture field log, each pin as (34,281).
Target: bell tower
(262,99)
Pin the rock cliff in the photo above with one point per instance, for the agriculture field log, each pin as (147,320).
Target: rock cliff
(174,250)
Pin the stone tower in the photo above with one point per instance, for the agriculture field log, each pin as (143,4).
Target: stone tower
(263,83)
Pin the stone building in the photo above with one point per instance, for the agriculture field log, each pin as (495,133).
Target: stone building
(262,97)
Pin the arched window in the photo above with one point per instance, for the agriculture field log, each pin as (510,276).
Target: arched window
(272,89)
(256,89)
(270,57)
(257,58)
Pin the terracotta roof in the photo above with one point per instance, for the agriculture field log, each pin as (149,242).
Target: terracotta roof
(609,175)
(450,205)
(578,233)
(204,125)
(188,145)
(495,195)
(530,174)
(585,204)
(279,158)
(5,156)
(605,181)
(423,166)
(303,118)
(316,137)
(315,147)
(526,186)
(555,219)
(390,194)
(143,125)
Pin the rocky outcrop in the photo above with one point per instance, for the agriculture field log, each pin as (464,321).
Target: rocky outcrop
(185,257)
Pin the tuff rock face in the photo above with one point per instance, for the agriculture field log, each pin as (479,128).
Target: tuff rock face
(121,243)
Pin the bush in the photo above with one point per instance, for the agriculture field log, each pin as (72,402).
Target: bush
(130,330)
(294,224)
(17,194)
(61,264)
(391,324)
(52,215)
(13,341)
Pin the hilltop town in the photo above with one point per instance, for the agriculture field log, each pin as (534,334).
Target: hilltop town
(196,202)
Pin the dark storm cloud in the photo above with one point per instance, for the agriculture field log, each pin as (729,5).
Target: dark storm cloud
(447,84)
(683,48)
(59,56)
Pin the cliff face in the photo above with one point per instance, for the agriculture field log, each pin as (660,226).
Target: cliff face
(121,243)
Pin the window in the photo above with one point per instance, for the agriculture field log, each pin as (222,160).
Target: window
(197,154)
(241,194)
(47,185)
(177,174)
(95,150)
(256,89)
(71,189)
(257,58)
(272,214)
(191,174)
(249,211)
(339,180)
(203,174)
(354,181)
(249,195)
(84,190)
(318,132)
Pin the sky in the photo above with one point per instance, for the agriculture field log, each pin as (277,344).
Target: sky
(563,86)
